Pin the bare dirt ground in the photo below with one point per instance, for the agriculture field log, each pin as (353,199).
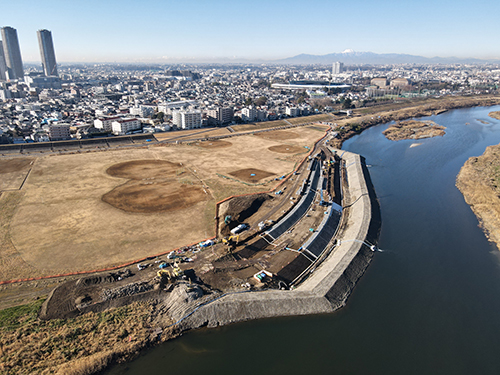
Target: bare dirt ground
(151,187)
(413,129)
(479,182)
(58,222)
(13,172)
(214,144)
(251,175)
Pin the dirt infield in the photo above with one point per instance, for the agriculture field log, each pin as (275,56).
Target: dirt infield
(251,175)
(287,149)
(152,187)
(214,144)
(158,197)
(15,165)
(278,135)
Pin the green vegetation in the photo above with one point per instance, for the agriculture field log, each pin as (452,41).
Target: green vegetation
(14,317)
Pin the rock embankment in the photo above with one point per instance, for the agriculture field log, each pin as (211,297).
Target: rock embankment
(326,290)
(413,129)
(479,182)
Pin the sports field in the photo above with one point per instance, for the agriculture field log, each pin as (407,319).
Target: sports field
(86,211)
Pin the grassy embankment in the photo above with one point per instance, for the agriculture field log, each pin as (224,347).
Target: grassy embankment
(83,345)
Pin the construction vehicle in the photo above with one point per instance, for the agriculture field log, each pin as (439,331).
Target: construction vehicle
(231,242)
(231,239)
(227,219)
(177,272)
(165,276)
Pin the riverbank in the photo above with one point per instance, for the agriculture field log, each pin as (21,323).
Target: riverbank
(479,182)
(356,125)
(108,314)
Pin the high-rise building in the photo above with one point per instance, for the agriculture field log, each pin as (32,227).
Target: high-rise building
(12,53)
(337,67)
(47,52)
(3,66)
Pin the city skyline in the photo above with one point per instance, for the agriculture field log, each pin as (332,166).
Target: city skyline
(196,31)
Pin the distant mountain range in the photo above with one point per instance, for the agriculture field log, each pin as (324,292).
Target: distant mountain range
(350,57)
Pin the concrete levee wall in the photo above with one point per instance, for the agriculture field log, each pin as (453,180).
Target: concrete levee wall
(328,286)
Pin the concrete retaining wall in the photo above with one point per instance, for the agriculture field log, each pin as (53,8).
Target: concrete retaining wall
(325,290)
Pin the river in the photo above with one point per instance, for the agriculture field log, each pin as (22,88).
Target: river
(429,303)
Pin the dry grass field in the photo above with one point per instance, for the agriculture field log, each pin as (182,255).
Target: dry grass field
(88,211)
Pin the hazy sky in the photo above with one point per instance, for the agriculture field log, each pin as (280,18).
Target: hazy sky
(147,30)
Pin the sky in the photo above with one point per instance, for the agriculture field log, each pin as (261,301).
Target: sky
(211,30)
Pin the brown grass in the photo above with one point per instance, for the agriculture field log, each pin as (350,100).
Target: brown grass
(80,346)
(495,115)
(479,182)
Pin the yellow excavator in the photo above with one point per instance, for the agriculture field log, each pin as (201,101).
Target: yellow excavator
(231,242)
(168,276)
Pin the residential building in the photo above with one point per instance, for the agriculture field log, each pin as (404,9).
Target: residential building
(12,53)
(125,125)
(249,114)
(43,82)
(59,132)
(337,67)
(220,116)
(187,119)
(47,52)
(105,123)
(3,66)
(292,112)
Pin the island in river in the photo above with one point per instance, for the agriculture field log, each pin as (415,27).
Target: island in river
(413,129)
(479,182)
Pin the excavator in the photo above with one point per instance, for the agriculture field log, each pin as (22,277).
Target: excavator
(168,276)
(231,242)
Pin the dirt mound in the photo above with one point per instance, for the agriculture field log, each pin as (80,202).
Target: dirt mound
(214,144)
(240,209)
(251,175)
(144,169)
(14,165)
(278,135)
(287,149)
(413,130)
(159,196)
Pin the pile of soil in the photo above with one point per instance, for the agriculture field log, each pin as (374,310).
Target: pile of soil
(240,209)
(479,182)
(413,129)
(251,175)
(287,149)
